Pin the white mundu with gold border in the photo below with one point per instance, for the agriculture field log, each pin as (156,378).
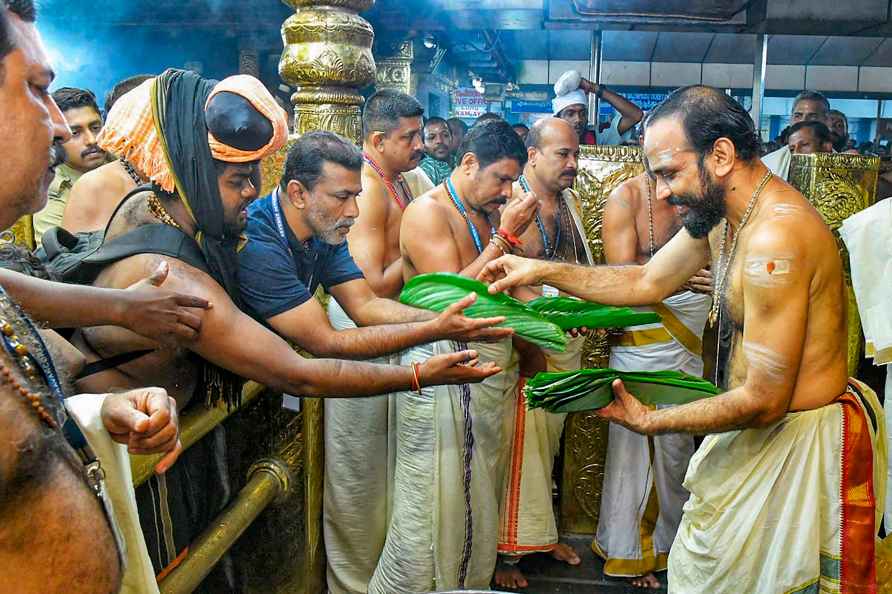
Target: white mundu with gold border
(789,508)
(642,495)
(359,458)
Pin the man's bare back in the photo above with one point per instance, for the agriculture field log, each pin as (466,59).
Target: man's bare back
(786,231)
(171,368)
(95,196)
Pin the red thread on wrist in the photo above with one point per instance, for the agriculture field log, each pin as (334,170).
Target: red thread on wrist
(512,239)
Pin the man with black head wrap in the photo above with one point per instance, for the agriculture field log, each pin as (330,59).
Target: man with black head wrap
(200,143)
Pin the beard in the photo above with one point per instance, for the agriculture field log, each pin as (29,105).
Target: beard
(704,211)
(331,232)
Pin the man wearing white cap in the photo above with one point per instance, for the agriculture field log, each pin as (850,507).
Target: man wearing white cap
(570,104)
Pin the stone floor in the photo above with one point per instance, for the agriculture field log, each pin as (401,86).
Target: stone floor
(547,576)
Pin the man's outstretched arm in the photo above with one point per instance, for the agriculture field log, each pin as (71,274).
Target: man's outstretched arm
(232,340)
(776,283)
(308,327)
(144,307)
(670,267)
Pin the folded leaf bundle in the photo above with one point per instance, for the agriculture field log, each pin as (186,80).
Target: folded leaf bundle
(590,389)
(439,290)
(568,313)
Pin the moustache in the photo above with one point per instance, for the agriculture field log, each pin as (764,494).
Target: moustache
(569,172)
(674,200)
(92,150)
(499,201)
(345,225)
(57,155)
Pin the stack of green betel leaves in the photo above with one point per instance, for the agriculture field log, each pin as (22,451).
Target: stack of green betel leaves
(589,389)
(541,322)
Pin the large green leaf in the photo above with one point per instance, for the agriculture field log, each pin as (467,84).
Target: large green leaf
(439,290)
(568,313)
(589,389)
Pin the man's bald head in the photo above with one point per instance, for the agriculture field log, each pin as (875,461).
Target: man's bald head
(549,130)
(553,150)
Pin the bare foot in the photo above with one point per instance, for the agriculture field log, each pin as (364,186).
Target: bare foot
(565,553)
(649,581)
(509,576)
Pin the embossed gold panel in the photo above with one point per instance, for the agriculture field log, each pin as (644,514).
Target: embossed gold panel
(839,185)
(601,169)
(395,72)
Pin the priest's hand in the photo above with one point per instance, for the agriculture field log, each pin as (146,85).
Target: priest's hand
(627,410)
(157,313)
(146,421)
(452,324)
(509,271)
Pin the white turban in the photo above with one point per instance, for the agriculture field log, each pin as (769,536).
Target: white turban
(567,92)
(572,98)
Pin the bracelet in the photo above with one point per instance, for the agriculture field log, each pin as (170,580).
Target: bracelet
(501,244)
(416,377)
(512,239)
(599,93)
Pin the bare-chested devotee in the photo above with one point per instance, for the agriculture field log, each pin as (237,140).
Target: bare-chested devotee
(449,456)
(205,176)
(57,532)
(358,476)
(642,495)
(783,490)
(95,194)
(296,243)
(527,523)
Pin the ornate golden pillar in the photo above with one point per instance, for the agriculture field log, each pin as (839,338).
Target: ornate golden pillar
(601,169)
(395,71)
(839,185)
(328,57)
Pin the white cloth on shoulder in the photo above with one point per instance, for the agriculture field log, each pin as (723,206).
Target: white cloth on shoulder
(779,162)
(868,237)
(85,409)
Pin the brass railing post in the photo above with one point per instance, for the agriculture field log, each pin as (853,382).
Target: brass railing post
(267,480)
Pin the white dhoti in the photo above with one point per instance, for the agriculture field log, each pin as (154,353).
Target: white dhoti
(533,438)
(793,507)
(358,477)
(642,495)
(448,474)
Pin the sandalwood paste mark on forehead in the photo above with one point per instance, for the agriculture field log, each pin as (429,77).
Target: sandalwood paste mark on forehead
(768,271)
(765,360)
(663,159)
